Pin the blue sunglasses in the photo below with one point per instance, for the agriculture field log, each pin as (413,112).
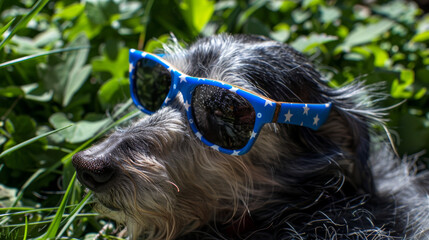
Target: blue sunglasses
(225,117)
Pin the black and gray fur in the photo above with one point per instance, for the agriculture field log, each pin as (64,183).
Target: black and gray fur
(160,181)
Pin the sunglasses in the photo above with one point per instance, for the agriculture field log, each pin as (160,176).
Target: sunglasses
(225,117)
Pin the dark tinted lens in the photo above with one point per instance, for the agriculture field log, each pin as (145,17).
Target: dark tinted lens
(152,84)
(223,117)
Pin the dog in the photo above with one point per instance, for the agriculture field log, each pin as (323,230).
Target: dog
(339,181)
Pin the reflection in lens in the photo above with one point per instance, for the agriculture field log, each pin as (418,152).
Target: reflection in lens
(152,84)
(223,117)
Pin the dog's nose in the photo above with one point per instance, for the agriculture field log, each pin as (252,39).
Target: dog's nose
(96,172)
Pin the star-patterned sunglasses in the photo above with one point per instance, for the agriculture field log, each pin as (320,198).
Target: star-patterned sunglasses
(223,116)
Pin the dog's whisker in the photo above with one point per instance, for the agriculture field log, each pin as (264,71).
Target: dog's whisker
(175,185)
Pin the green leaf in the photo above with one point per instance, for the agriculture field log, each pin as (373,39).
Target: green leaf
(365,34)
(381,57)
(83,25)
(421,37)
(75,81)
(403,88)
(102,12)
(114,91)
(66,73)
(80,131)
(117,67)
(281,32)
(7,196)
(24,127)
(37,7)
(156,44)
(244,17)
(421,93)
(254,26)
(23,144)
(312,3)
(70,12)
(398,10)
(414,133)
(197,13)
(329,14)
(11,92)
(306,44)
(35,93)
(299,16)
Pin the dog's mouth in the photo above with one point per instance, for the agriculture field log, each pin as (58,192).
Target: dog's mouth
(110,207)
(98,202)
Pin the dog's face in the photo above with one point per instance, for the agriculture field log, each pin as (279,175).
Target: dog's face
(160,180)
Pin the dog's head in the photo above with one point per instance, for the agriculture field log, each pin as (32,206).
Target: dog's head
(161,180)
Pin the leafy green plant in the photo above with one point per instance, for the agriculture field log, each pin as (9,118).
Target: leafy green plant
(64,83)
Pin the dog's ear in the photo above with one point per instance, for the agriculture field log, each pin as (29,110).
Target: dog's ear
(348,128)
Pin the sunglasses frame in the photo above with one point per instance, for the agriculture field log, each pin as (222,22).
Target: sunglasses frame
(310,115)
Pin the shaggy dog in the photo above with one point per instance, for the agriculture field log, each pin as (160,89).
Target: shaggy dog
(159,179)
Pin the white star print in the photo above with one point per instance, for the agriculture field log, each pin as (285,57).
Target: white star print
(253,135)
(302,123)
(327,105)
(267,102)
(187,105)
(131,67)
(288,116)
(199,135)
(167,100)
(182,78)
(306,109)
(235,153)
(316,119)
(233,89)
(132,50)
(169,69)
(144,54)
(215,147)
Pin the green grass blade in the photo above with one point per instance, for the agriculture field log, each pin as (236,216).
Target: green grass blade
(26,228)
(73,214)
(23,21)
(40,55)
(55,224)
(29,210)
(26,184)
(21,193)
(47,221)
(23,144)
(3,29)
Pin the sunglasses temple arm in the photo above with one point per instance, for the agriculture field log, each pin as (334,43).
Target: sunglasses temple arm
(303,114)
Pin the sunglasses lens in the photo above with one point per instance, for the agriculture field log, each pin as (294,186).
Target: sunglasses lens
(223,117)
(152,84)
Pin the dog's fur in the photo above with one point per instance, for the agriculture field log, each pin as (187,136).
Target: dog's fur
(339,182)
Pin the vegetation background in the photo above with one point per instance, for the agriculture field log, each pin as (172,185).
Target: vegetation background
(63,82)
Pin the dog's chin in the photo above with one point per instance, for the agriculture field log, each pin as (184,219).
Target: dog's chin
(108,210)
(108,207)
(104,208)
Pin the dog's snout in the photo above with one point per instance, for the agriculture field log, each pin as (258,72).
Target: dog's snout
(95,171)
